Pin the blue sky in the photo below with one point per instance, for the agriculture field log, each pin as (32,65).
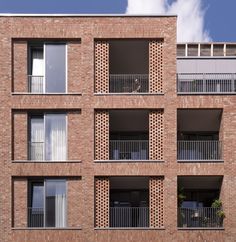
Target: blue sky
(220,17)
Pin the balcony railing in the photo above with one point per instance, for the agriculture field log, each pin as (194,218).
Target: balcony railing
(129,150)
(199,150)
(206,83)
(35,217)
(36,150)
(36,84)
(129,217)
(128,83)
(206,217)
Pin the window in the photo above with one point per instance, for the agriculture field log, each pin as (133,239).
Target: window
(48,137)
(47,203)
(47,68)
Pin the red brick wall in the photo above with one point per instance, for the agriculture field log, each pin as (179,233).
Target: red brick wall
(74,135)
(74,58)
(87,29)
(20,136)
(74,203)
(20,67)
(19,202)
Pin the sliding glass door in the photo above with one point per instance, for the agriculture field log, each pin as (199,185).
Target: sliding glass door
(55,203)
(55,68)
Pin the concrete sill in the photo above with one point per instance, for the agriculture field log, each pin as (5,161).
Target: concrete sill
(199,228)
(46,94)
(200,161)
(47,228)
(129,161)
(129,94)
(130,228)
(45,161)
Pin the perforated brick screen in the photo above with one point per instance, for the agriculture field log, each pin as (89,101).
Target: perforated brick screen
(156,202)
(102,202)
(156,135)
(101,67)
(156,66)
(102,135)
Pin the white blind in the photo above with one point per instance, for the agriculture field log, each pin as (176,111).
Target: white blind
(36,78)
(55,136)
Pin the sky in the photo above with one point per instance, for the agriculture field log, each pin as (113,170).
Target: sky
(198,20)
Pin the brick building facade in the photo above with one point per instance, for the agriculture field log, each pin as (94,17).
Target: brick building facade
(104,154)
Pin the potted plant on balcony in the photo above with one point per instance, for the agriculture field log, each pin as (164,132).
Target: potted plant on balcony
(217,204)
(181,198)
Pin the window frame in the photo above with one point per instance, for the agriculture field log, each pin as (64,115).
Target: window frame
(30,194)
(44,135)
(42,45)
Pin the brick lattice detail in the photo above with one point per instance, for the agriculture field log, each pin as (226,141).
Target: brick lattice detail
(102,202)
(156,66)
(102,135)
(101,67)
(156,135)
(156,199)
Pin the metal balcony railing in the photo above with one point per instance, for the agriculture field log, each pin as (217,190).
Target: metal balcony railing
(129,150)
(199,150)
(36,150)
(206,217)
(35,217)
(36,84)
(129,217)
(206,83)
(129,83)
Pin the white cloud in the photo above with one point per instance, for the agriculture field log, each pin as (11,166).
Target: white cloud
(146,6)
(190,23)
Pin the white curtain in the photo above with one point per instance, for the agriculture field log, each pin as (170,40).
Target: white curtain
(37,139)
(60,210)
(58,135)
(37,71)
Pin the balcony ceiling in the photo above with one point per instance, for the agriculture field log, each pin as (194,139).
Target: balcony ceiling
(200,182)
(192,120)
(129,121)
(129,183)
(128,57)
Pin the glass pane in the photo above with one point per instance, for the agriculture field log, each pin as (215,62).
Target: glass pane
(37,138)
(36,209)
(55,55)
(55,136)
(55,203)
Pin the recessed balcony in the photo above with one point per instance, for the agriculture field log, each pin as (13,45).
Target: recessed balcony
(129,135)
(129,202)
(199,202)
(129,66)
(198,135)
